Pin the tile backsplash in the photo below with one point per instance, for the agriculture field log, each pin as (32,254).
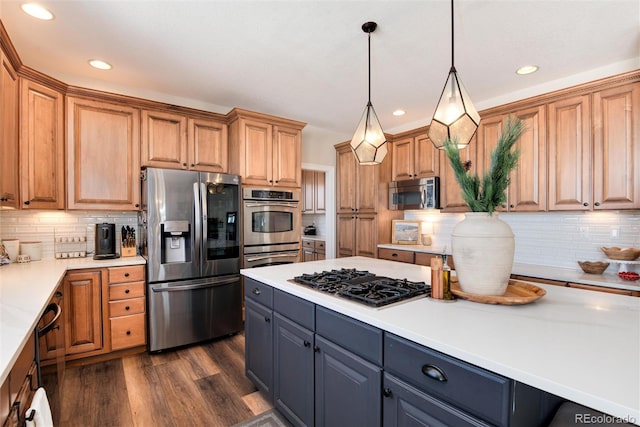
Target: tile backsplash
(554,239)
(69,226)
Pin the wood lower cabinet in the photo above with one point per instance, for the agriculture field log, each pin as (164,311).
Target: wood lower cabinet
(42,147)
(127,316)
(103,155)
(9,172)
(83,311)
(313,250)
(357,235)
(411,257)
(265,150)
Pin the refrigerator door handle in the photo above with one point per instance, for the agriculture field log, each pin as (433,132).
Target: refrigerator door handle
(198,222)
(203,203)
(180,288)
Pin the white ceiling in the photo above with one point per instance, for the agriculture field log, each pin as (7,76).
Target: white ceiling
(307,60)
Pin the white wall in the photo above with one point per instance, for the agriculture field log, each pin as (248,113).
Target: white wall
(317,145)
(556,239)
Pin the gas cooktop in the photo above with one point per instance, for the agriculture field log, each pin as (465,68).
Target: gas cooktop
(363,286)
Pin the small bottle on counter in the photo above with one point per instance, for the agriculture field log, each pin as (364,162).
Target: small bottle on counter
(436,278)
(446,280)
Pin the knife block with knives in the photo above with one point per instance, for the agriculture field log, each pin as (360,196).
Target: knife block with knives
(127,241)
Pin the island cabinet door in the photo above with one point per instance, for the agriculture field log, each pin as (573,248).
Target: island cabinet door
(347,387)
(404,405)
(259,346)
(293,383)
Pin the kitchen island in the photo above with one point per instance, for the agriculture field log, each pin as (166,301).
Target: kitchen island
(580,346)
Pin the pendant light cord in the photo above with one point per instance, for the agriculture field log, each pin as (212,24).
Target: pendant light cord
(369,69)
(452,32)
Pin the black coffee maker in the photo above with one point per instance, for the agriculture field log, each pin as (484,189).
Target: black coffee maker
(105,241)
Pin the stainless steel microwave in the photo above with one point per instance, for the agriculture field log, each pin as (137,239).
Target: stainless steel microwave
(421,193)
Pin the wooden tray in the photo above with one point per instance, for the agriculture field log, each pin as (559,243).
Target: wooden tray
(517,293)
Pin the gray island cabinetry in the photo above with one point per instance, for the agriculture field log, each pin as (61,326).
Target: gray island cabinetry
(320,367)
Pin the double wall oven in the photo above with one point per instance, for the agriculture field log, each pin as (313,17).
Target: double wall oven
(271,226)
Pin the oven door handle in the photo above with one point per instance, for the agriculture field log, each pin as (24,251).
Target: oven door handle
(262,204)
(49,326)
(259,258)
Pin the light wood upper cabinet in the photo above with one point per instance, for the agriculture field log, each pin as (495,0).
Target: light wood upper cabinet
(527,190)
(42,147)
(616,148)
(528,187)
(450,193)
(208,146)
(103,163)
(313,192)
(163,142)
(265,150)
(176,141)
(570,154)
(413,157)
(9,174)
(357,184)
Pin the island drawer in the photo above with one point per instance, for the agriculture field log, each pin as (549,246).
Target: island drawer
(129,273)
(258,292)
(474,390)
(353,335)
(300,311)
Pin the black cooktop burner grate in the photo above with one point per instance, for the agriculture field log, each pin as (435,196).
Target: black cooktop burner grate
(363,286)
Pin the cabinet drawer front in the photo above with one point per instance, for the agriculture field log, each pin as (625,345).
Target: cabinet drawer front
(258,292)
(320,246)
(127,331)
(474,390)
(404,404)
(308,244)
(294,308)
(357,337)
(395,255)
(126,307)
(126,290)
(131,273)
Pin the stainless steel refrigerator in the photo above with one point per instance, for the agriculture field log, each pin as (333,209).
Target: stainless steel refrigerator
(190,237)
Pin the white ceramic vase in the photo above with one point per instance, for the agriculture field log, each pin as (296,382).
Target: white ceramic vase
(483,246)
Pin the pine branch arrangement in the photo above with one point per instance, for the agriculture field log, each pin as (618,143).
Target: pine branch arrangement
(486,193)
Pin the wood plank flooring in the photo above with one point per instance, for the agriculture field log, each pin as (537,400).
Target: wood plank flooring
(202,385)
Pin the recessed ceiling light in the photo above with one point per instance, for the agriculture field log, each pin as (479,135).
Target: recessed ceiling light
(37,11)
(399,113)
(527,69)
(101,65)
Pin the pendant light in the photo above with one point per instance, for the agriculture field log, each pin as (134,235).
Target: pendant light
(455,118)
(369,143)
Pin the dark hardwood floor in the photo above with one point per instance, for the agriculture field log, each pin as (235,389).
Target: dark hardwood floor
(201,385)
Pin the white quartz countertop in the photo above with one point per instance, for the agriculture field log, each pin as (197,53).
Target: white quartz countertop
(582,346)
(25,291)
(609,279)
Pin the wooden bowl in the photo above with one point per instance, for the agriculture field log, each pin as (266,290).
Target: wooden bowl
(593,267)
(621,254)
